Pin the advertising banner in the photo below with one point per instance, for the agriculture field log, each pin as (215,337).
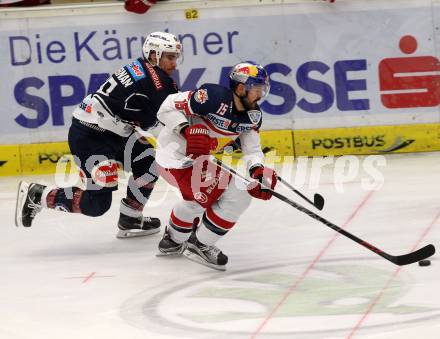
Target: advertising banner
(367,140)
(360,63)
(10,160)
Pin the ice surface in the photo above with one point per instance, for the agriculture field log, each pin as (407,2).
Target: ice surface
(288,277)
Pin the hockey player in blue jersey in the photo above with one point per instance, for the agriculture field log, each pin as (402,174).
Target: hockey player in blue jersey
(193,121)
(103,134)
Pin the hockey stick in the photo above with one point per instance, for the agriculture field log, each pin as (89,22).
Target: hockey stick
(318,199)
(400,260)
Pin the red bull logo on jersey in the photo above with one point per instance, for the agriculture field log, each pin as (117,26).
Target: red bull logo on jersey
(201,96)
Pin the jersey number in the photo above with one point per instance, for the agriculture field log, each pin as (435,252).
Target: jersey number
(222,109)
(107,87)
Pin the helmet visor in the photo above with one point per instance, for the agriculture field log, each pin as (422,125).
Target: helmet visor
(259,89)
(173,56)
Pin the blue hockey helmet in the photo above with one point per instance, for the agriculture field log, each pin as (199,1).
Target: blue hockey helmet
(249,74)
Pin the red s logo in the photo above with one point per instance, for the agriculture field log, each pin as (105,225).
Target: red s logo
(411,81)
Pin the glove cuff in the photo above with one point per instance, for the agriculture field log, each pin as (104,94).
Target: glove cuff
(254,167)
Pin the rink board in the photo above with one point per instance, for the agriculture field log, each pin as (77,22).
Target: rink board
(10,160)
(320,77)
(44,158)
(368,140)
(28,159)
(49,158)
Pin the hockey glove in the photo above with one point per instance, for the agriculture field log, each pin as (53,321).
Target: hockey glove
(267,177)
(198,141)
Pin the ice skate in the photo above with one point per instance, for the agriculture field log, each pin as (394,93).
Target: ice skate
(206,255)
(28,203)
(167,246)
(133,224)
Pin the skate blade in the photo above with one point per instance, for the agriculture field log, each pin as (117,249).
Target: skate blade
(196,258)
(23,188)
(124,234)
(171,254)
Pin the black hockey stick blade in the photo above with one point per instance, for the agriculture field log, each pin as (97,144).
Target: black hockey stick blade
(413,257)
(400,260)
(318,200)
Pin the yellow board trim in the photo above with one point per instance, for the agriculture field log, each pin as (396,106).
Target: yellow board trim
(368,140)
(10,160)
(28,159)
(43,158)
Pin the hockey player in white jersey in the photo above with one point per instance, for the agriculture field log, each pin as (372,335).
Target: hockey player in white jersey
(193,122)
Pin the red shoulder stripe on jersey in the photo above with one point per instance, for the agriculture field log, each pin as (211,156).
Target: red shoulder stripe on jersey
(215,129)
(184,105)
(217,221)
(176,221)
(153,75)
(188,109)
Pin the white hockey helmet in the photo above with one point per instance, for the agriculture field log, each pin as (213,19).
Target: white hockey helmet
(160,42)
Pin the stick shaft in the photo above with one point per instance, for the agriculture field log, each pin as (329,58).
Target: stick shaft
(318,199)
(406,259)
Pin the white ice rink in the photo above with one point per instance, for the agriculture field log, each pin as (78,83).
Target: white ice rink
(288,276)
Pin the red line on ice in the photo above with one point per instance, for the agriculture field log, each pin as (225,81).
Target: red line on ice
(293,287)
(396,272)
